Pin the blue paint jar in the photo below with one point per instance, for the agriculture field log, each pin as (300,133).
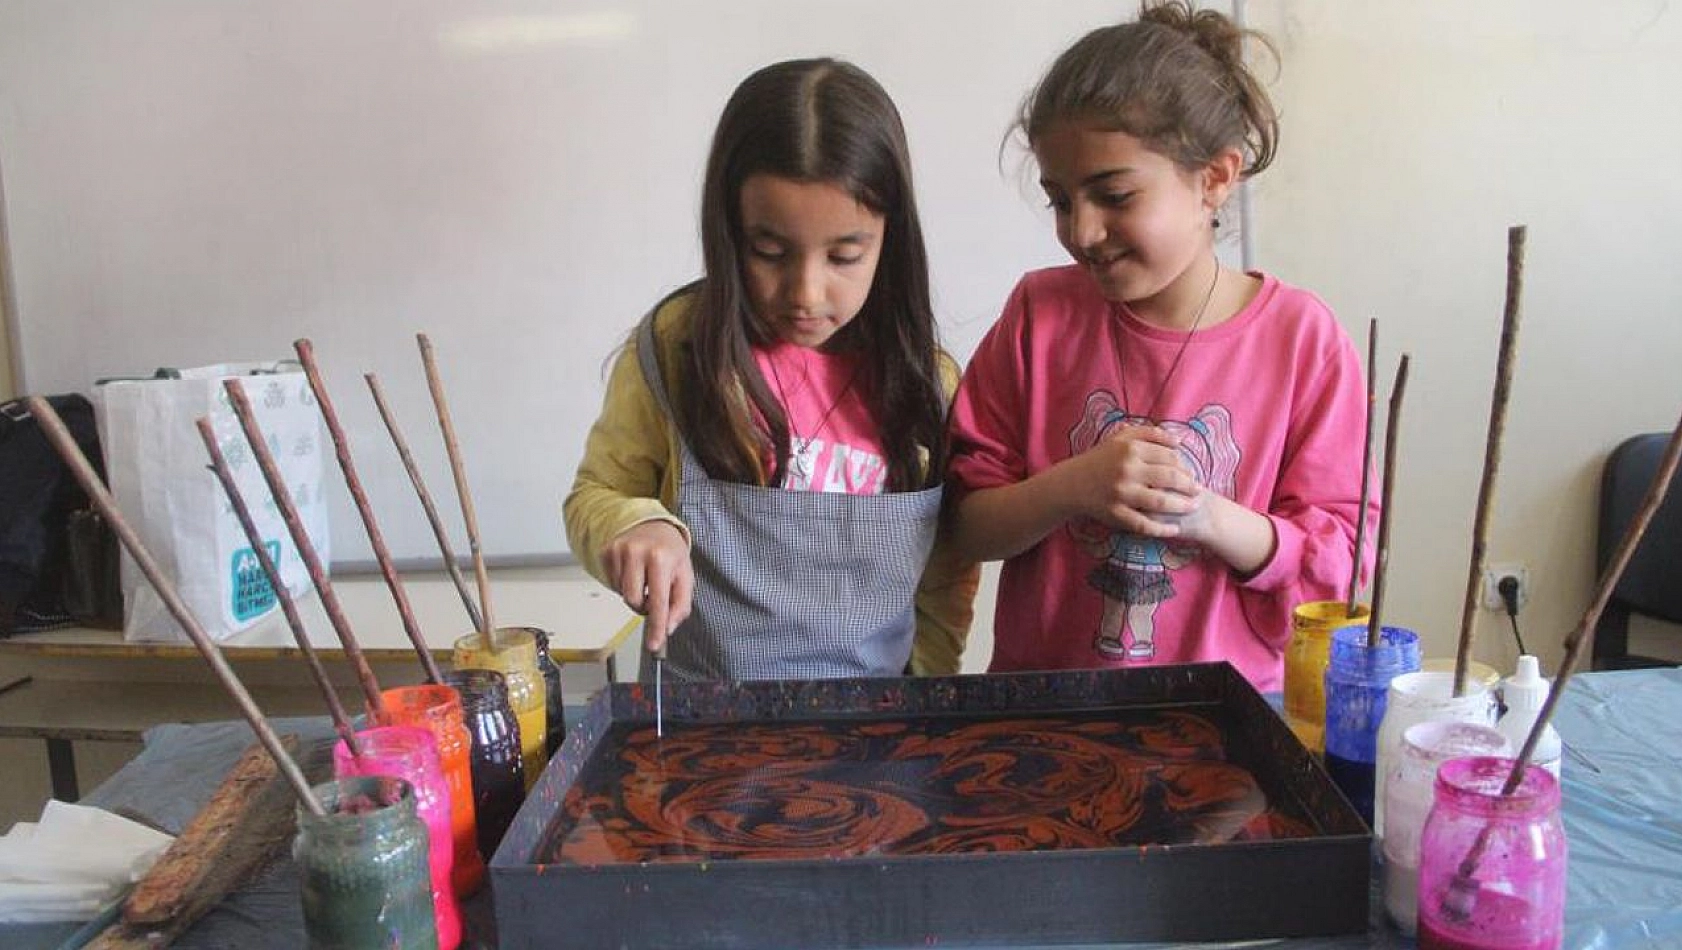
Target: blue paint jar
(1357,684)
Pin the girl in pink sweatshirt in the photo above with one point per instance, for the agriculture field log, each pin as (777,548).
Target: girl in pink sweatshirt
(1166,452)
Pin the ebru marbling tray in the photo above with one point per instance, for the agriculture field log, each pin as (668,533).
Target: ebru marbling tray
(1159,803)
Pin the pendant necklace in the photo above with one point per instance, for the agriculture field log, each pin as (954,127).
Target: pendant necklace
(799,445)
(1150,414)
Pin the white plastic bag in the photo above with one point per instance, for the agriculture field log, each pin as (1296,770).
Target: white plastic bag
(159,473)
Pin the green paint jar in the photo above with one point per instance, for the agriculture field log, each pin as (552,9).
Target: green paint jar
(363,871)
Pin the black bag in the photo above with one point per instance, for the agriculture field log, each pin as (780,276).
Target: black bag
(58,558)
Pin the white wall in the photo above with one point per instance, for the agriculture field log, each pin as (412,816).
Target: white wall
(1413,135)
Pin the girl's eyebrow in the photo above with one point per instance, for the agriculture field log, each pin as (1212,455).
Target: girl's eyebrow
(1094,178)
(853,237)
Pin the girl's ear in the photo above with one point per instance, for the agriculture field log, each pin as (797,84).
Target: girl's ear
(1220,176)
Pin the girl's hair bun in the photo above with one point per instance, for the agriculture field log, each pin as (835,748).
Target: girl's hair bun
(1212,31)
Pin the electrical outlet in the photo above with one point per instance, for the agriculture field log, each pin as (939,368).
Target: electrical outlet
(1492,576)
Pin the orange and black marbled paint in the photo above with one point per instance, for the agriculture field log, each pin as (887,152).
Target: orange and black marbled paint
(915,786)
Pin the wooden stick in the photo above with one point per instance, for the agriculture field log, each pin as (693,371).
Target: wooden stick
(1366,468)
(432,518)
(1602,593)
(1492,451)
(225,475)
(1461,889)
(306,549)
(53,427)
(376,540)
(435,383)
(1387,502)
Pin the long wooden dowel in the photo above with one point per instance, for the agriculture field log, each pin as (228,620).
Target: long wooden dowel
(435,383)
(376,539)
(1366,469)
(242,511)
(1491,452)
(431,509)
(53,427)
(1609,578)
(1461,886)
(1387,503)
(306,549)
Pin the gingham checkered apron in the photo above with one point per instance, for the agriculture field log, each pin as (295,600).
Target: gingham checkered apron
(794,584)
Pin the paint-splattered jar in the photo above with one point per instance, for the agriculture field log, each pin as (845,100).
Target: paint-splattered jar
(1408,791)
(410,753)
(1492,866)
(515,657)
(499,774)
(555,717)
(1413,698)
(1357,686)
(1306,657)
(363,873)
(438,710)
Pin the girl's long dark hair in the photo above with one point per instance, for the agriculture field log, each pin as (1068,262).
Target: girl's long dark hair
(815,120)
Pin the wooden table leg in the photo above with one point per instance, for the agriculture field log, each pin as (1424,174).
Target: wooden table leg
(61,768)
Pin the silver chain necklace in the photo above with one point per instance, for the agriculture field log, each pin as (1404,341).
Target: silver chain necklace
(799,457)
(1150,414)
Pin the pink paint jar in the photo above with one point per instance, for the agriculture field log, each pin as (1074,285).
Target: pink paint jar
(410,753)
(1492,867)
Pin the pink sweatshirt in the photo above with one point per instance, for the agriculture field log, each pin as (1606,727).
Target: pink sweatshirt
(1271,407)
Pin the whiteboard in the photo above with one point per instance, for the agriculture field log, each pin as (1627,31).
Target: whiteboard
(199,181)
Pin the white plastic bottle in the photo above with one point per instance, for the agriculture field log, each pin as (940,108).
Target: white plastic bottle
(1524,693)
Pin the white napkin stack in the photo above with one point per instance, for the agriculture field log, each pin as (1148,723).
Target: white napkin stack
(72,863)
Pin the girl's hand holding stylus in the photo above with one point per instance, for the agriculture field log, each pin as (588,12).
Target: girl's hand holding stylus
(1133,479)
(648,564)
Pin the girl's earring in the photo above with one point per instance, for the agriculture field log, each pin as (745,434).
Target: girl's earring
(1215,221)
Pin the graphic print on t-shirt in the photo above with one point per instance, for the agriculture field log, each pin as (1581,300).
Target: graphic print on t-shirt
(1132,573)
(817,465)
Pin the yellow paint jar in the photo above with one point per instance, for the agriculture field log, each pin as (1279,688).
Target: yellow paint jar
(1306,658)
(515,657)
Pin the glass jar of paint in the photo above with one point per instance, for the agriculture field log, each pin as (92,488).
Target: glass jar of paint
(363,873)
(513,653)
(1492,866)
(555,717)
(1408,792)
(1423,696)
(1488,676)
(437,709)
(1306,657)
(1357,688)
(499,774)
(411,753)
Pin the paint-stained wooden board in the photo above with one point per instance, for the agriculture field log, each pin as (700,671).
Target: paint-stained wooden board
(246,824)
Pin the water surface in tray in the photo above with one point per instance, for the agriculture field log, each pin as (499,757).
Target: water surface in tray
(924,785)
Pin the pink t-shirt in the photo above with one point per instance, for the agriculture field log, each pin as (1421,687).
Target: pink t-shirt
(833,445)
(1271,406)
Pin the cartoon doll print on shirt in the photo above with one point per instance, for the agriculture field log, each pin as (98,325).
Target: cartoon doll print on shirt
(1133,573)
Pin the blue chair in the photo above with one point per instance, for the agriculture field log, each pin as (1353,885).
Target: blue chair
(1651,585)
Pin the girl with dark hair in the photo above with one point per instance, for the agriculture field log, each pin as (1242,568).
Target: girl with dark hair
(764,481)
(1165,452)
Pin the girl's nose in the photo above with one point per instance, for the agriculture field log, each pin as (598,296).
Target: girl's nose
(804,283)
(1086,225)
